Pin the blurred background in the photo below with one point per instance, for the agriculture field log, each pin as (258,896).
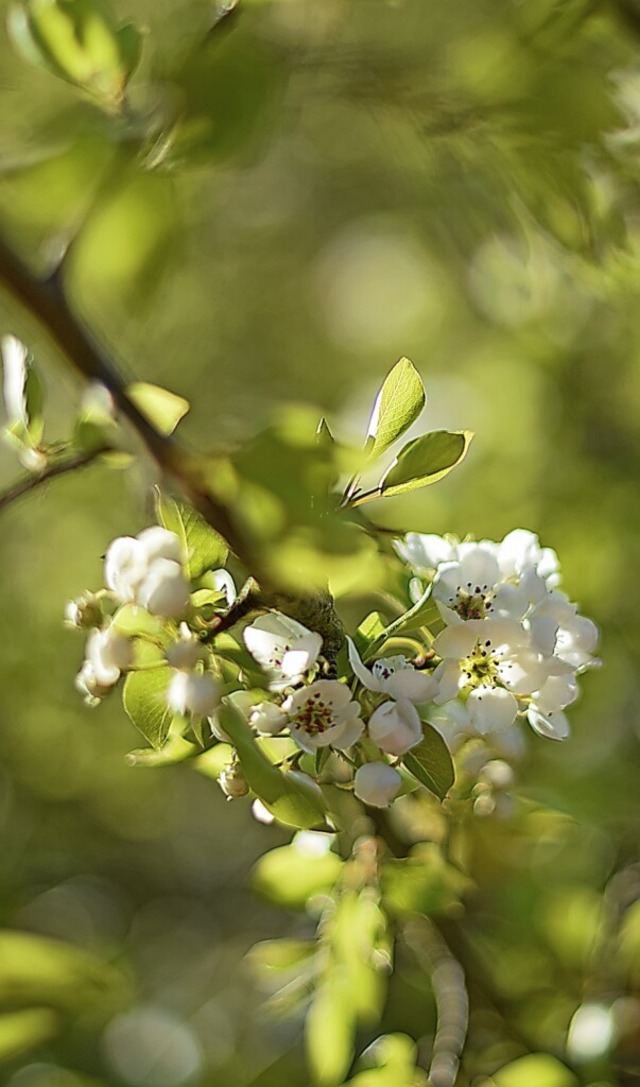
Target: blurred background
(348,182)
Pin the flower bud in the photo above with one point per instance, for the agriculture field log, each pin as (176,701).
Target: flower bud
(125,565)
(395,726)
(377,784)
(232,781)
(268,719)
(159,543)
(186,652)
(89,687)
(164,590)
(108,654)
(84,613)
(194,692)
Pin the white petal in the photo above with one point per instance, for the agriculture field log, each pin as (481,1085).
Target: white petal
(544,631)
(523,672)
(424,551)
(448,676)
(395,727)
(14,358)
(409,683)
(377,784)
(159,543)
(164,590)
(223,581)
(554,726)
(556,693)
(350,732)
(509,601)
(125,565)
(491,709)
(478,570)
(456,642)
(366,677)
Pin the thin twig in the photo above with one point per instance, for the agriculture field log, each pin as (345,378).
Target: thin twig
(33,480)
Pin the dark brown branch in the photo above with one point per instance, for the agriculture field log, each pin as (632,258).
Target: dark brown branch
(33,480)
(45,300)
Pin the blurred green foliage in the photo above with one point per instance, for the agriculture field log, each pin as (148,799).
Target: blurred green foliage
(292,196)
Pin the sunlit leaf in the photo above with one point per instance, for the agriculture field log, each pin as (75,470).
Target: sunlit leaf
(535,1070)
(204,548)
(21,1031)
(422,883)
(330,1030)
(144,697)
(287,796)
(398,404)
(290,877)
(421,462)
(431,763)
(162,408)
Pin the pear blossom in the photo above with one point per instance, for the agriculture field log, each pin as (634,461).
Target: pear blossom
(491,653)
(268,719)
(198,693)
(284,648)
(377,784)
(424,552)
(323,714)
(395,676)
(147,570)
(232,781)
(85,612)
(185,653)
(109,654)
(395,726)
(14,365)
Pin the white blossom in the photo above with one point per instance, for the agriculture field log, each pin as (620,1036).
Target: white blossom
(423,552)
(395,676)
(164,590)
(491,653)
(377,784)
(198,693)
(14,362)
(395,726)
(322,714)
(125,566)
(284,648)
(108,654)
(185,653)
(268,719)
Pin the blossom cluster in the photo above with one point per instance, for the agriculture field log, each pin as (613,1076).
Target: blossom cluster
(513,643)
(508,644)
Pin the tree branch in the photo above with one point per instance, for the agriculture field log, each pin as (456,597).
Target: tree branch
(33,480)
(45,300)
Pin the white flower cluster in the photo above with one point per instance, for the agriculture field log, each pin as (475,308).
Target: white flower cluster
(510,644)
(148,572)
(513,643)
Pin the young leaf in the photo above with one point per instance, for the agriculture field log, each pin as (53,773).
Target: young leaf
(430,762)
(26,1029)
(145,701)
(285,795)
(162,408)
(398,404)
(330,1030)
(290,877)
(423,461)
(204,548)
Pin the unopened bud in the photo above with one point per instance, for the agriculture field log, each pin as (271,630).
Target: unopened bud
(377,784)
(84,613)
(232,781)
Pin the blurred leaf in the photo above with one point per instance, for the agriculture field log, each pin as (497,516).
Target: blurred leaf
(285,795)
(290,877)
(128,239)
(423,461)
(38,971)
(397,405)
(79,41)
(422,883)
(162,408)
(227,85)
(394,1057)
(24,1030)
(204,548)
(535,1070)
(280,955)
(370,630)
(144,697)
(330,1030)
(431,763)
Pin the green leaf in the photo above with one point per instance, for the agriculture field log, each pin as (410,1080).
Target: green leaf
(21,1031)
(330,1030)
(421,462)
(392,1063)
(271,956)
(35,970)
(175,750)
(431,763)
(162,408)
(204,548)
(370,630)
(535,1070)
(398,404)
(144,697)
(289,877)
(286,795)
(422,883)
